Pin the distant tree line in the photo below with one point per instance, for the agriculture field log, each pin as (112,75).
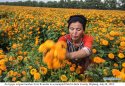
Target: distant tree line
(85,4)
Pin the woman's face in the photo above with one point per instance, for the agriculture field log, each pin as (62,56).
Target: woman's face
(76,31)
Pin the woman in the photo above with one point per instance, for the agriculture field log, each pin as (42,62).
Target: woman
(79,45)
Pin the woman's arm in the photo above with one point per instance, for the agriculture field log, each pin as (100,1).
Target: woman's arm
(84,52)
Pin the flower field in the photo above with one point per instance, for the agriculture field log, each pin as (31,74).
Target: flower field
(27,33)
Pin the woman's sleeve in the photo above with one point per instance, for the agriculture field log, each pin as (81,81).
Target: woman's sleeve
(88,41)
(62,38)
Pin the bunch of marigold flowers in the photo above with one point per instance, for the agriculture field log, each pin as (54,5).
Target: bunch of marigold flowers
(53,53)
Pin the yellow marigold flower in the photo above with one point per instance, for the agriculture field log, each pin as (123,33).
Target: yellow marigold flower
(63,78)
(33,71)
(105,42)
(98,60)
(94,51)
(111,55)
(122,44)
(36,76)
(115,72)
(121,55)
(49,43)
(10,73)
(112,33)
(42,48)
(123,64)
(43,70)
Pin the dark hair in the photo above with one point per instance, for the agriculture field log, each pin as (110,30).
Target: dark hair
(80,18)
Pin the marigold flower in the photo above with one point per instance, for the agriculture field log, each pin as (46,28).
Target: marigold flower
(115,72)
(94,51)
(111,55)
(121,55)
(14,79)
(36,76)
(24,73)
(105,42)
(63,78)
(123,64)
(33,71)
(43,70)
(43,48)
(115,65)
(122,44)
(98,60)
(10,73)
(72,69)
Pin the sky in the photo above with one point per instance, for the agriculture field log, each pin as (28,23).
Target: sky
(26,0)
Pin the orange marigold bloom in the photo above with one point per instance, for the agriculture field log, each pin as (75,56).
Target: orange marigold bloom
(14,79)
(122,44)
(24,73)
(94,50)
(98,60)
(115,72)
(36,76)
(111,55)
(105,42)
(2,56)
(72,69)
(115,65)
(3,67)
(63,78)
(43,70)
(14,46)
